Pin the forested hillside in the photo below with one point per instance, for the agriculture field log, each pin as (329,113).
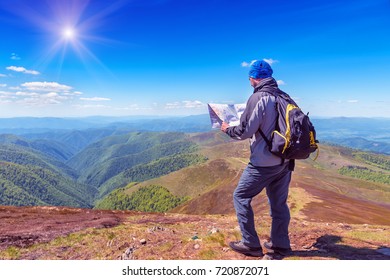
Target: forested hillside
(27,156)
(107,166)
(146,199)
(154,169)
(209,185)
(107,158)
(33,185)
(35,172)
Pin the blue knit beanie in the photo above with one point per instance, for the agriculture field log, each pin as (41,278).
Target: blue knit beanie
(260,69)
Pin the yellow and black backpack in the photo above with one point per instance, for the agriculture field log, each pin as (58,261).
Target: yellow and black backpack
(294,136)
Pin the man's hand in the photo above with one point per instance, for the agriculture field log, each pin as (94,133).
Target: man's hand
(224,126)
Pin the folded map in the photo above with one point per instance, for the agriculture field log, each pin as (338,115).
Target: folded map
(228,113)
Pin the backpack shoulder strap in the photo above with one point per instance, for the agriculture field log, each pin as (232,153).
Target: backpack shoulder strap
(274,92)
(269,144)
(271,91)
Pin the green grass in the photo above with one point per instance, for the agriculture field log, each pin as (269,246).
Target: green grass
(370,236)
(208,254)
(369,175)
(11,253)
(218,238)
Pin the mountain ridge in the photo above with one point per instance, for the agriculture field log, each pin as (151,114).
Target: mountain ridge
(334,216)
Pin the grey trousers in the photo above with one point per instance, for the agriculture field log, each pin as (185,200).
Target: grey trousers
(276,180)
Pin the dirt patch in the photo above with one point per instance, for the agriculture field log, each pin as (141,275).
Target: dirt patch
(25,226)
(95,234)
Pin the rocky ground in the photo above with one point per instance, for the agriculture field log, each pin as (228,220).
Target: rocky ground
(68,233)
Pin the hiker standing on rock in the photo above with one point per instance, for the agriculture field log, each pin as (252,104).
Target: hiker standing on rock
(264,170)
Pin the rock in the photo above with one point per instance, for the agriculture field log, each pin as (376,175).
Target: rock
(213,230)
(129,251)
(225,249)
(142,241)
(196,246)
(155,228)
(128,254)
(194,237)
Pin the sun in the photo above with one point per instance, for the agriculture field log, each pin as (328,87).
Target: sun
(69,33)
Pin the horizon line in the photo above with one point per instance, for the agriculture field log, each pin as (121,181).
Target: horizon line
(172,116)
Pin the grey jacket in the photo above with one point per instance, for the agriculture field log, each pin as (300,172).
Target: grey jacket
(260,112)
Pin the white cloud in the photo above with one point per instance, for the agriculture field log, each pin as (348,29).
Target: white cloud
(280,82)
(15,56)
(92,106)
(247,64)
(5,92)
(43,93)
(185,104)
(133,107)
(23,93)
(268,60)
(4,101)
(95,99)
(352,101)
(36,99)
(193,104)
(22,70)
(3,85)
(46,86)
(40,94)
(173,105)
(2,75)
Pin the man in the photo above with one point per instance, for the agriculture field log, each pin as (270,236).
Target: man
(264,170)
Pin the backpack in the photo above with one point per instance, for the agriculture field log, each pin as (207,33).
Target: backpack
(294,136)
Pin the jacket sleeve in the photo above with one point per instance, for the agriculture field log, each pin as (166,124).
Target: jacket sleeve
(250,120)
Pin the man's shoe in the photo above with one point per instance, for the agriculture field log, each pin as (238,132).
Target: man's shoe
(240,247)
(278,250)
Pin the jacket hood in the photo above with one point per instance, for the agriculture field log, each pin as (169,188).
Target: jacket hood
(267,82)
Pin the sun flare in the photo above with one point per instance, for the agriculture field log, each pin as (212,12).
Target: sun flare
(69,33)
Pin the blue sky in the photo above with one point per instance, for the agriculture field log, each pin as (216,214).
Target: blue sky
(161,57)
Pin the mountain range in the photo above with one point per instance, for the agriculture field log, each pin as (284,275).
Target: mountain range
(186,173)
(370,134)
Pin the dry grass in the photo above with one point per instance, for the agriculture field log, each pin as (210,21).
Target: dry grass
(174,236)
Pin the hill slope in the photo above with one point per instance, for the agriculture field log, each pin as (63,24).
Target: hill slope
(109,157)
(335,215)
(52,148)
(317,186)
(81,234)
(31,185)
(32,175)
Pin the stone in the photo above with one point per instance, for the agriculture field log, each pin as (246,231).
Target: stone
(213,230)
(128,254)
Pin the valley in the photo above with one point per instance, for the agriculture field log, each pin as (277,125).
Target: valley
(117,180)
